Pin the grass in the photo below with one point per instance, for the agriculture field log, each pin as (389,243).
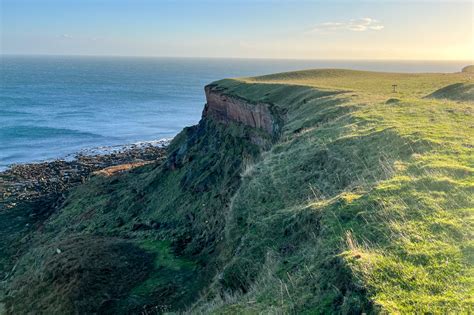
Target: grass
(173,280)
(173,212)
(375,83)
(455,92)
(77,273)
(362,204)
(469,69)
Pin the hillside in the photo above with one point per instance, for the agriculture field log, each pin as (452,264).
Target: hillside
(318,191)
(469,69)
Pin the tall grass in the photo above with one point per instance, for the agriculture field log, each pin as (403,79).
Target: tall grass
(364,206)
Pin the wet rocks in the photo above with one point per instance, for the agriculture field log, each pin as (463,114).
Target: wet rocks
(49,180)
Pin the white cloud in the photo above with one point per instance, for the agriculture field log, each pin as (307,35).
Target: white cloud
(354,25)
(79,38)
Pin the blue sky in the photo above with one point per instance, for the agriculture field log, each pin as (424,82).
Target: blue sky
(251,29)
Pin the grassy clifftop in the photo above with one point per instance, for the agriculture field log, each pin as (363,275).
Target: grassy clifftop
(369,184)
(362,203)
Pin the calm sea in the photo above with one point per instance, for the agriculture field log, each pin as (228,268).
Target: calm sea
(53,106)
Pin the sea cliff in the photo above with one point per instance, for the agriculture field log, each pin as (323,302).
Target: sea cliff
(297,192)
(230,109)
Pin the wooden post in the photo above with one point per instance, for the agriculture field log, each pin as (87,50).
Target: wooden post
(394,88)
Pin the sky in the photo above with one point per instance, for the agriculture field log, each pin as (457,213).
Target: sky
(325,29)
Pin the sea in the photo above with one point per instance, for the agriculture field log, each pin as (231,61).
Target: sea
(53,106)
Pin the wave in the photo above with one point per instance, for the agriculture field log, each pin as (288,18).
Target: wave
(73,114)
(12,113)
(38,132)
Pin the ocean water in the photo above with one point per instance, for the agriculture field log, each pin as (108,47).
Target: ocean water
(52,106)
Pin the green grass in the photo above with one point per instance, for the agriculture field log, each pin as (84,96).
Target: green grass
(362,206)
(173,281)
(77,273)
(174,212)
(455,92)
(469,69)
(363,203)
(375,83)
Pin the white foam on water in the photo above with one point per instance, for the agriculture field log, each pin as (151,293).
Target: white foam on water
(104,150)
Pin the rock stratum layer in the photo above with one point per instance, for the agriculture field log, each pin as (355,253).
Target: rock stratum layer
(226,108)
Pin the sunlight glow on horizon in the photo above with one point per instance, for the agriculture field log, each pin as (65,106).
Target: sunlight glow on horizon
(395,30)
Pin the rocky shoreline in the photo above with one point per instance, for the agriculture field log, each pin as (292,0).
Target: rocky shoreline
(30,193)
(51,179)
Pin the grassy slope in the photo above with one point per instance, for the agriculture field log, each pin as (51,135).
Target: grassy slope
(468,69)
(359,206)
(172,213)
(455,92)
(359,198)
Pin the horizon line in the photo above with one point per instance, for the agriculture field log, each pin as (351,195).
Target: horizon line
(230,57)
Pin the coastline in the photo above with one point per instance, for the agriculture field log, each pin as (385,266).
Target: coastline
(37,181)
(31,192)
(275,176)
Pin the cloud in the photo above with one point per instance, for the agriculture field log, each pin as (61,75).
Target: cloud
(353,25)
(80,38)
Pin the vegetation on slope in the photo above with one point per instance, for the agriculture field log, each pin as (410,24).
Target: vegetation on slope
(455,92)
(359,198)
(173,213)
(375,84)
(469,69)
(363,204)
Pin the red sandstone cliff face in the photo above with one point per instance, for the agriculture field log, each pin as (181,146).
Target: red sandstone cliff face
(225,108)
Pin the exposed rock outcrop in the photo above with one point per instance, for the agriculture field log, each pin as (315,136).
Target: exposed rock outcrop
(34,181)
(225,108)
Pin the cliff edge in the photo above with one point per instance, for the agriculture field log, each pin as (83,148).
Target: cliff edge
(231,109)
(300,192)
